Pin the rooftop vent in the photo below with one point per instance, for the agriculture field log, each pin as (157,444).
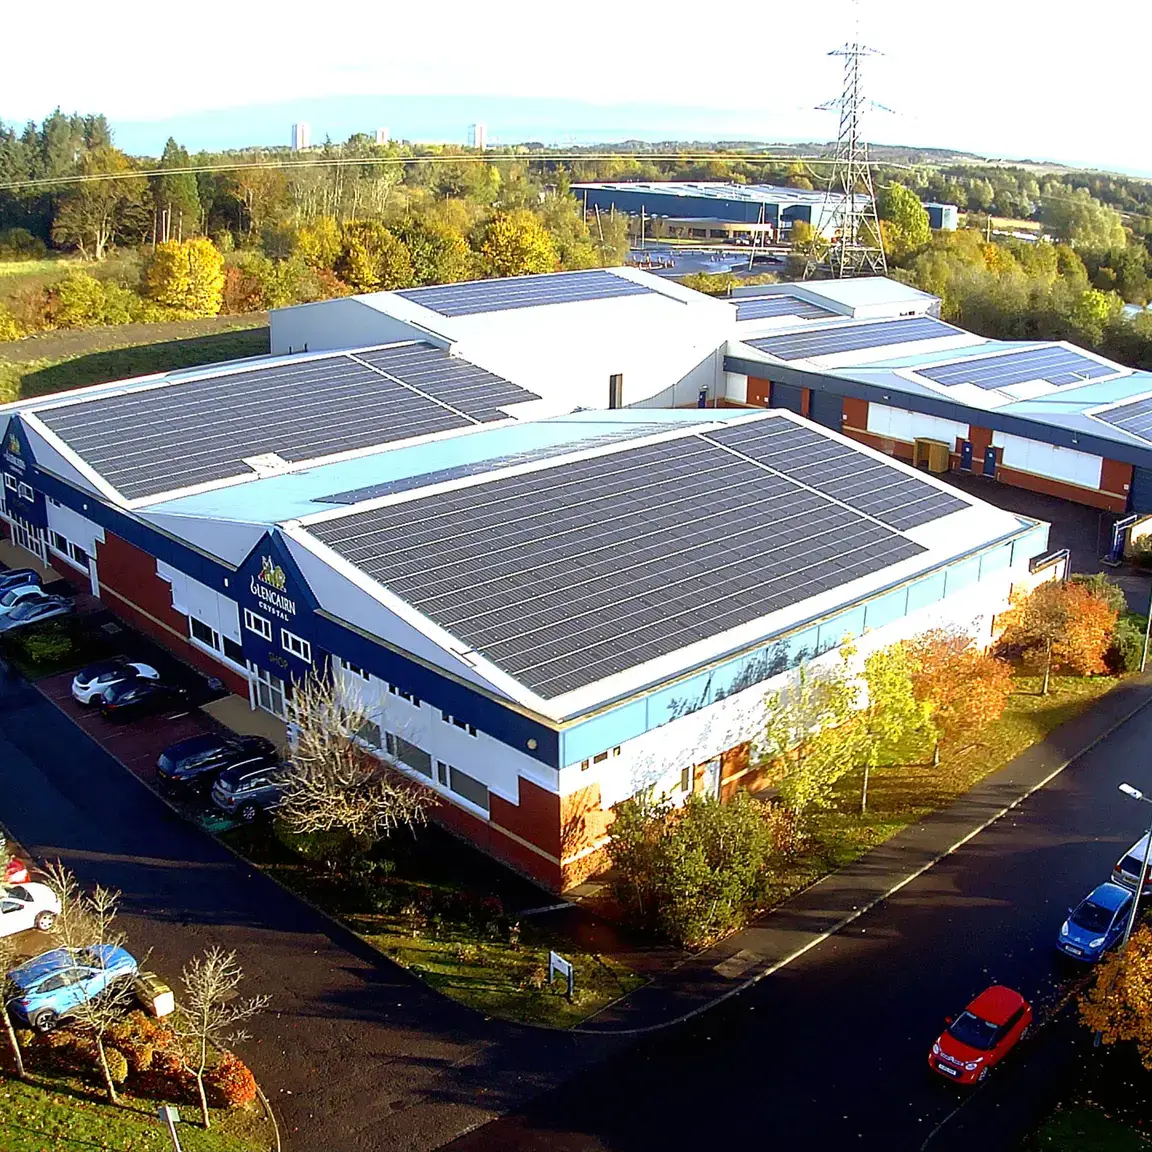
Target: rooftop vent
(267,464)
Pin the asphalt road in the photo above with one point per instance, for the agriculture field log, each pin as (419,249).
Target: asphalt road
(355,1054)
(831,1051)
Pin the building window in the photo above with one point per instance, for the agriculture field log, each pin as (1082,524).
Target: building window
(356,670)
(468,787)
(463,725)
(233,651)
(686,779)
(207,636)
(26,492)
(10,481)
(442,773)
(370,733)
(585,765)
(409,696)
(257,624)
(78,555)
(409,754)
(600,757)
(59,543)
(299,648)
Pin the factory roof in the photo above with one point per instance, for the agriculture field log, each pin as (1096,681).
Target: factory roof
(713,190)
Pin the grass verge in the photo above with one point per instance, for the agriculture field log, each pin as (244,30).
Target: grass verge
(66,1115)
(1086,1128)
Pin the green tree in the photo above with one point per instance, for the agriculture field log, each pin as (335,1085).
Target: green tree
(439,253)
(1092,311)
(907,228)
(1075,215)
(517,244)
(373,259)
(82,301)
(318,243)
(188,277)
(176,197)
(93,212)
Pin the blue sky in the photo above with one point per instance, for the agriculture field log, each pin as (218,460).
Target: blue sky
(1001,79)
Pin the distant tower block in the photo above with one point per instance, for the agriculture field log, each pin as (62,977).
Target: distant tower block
(301,136)
(478,136)
(849,210)
(383,136)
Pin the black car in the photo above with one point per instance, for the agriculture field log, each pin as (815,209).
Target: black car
(248,793)
(193,765)
(138,697)
(18,577)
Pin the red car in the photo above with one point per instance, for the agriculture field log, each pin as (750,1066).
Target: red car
(977,1040)
(15,872)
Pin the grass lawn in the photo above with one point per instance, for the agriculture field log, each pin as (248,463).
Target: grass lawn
(49,265)
(67,1116)
(56,361)
(442,909)
(1086,1128)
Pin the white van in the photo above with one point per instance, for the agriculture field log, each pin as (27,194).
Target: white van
(1127,868)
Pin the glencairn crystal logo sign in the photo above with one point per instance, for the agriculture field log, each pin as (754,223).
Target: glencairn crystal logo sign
(269,587)
(12,455)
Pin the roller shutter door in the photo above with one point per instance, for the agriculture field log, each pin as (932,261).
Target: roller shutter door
(1140,498)
(827,409)
(786,396)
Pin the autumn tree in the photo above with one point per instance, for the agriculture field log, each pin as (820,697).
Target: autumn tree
(965,687)
(894,715)
(439,253)
(94,211)
(517,244)
(905,221)
(211,1012)
(1118,1003)
(333,783)
(1059,624)
(814,727)
(372,258)
(188,276)
(318,243)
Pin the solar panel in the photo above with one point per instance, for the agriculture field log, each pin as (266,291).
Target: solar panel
(568,574)
(492,464)
(187,432)
(852,337)
(449,379)
(1052,363)
(839,471)
(1135,417)
(785,304)
(476,296)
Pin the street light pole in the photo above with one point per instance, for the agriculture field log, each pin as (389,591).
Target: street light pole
(1136,794)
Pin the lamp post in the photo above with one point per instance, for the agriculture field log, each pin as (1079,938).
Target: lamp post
(1136,794)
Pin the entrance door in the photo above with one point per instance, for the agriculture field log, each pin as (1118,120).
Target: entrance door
(268,692)
(966,456)
(30,539)
(989,461)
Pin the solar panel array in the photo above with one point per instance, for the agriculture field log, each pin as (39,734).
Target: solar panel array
(569,574)
(154,440)
(784,304)
(1135,417)
(477,296)
(493,464)
(852,337)
(1055,364)
(452,381)
(839,471)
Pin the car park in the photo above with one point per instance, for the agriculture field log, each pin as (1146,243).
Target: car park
(193,765)
(20,594)
(89,683)
(981,1036)
(29,905)
(131,698)
(35,611)
(1096,923)
(19,577)
(49,987)
(1126,870)
(248,794)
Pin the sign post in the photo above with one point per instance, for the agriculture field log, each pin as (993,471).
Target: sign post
(558,966)
(170,1115)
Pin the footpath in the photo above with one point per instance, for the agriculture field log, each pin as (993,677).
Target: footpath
(777,938)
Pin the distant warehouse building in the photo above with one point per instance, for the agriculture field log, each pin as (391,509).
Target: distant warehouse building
(942,217)
(871,358)
(544,612)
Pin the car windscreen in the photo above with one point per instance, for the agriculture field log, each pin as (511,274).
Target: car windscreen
(1092,917)
(11,596)
(973,1031)
(1131,865)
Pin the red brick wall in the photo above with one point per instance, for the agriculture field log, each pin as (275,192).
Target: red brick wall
(131,588)
(1050,487)
(981,440)
(759,391)
(855,414)
(805,401)
(1116,479)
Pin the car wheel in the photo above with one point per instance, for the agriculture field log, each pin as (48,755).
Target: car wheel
(249,813)
(44,920)
(44,1021)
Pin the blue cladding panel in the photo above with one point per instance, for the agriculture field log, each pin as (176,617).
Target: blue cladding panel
(962,575)
(894,606)
(995,561)
(833,632)
(586,740)
(476,296)
(925,592)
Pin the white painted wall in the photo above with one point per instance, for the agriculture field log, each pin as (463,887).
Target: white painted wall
(655,757)
(736,387)
(1065,464)
(900,424)
(192,598)
(74,527)
(331,324)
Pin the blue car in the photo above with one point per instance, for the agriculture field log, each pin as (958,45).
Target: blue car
(50,986)
(1096,924)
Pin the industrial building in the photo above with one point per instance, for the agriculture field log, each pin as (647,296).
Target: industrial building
(545,608)
(942,217)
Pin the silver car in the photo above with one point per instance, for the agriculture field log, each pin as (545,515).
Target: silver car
(35,611)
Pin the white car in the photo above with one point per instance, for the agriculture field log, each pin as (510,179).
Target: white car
(24,906)
(19,595)
(90,683)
